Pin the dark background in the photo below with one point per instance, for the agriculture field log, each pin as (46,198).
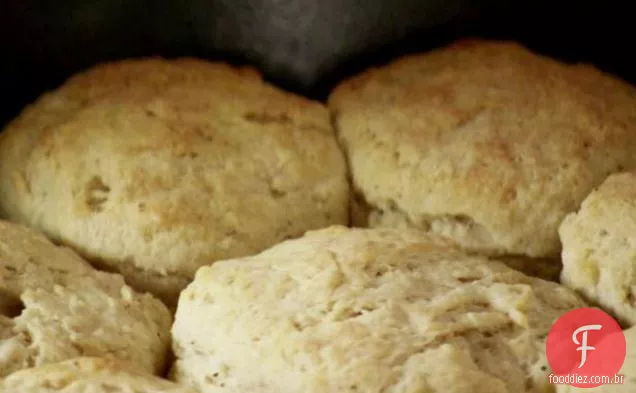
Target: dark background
(302,45)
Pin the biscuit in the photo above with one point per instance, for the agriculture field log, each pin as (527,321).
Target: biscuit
(628,372)
(485,142)
(365,310)
(87,375)
(54,306)
(152,168)
(599,247)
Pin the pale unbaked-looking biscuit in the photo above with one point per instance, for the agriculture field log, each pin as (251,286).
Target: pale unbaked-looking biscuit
(485,142)
(628,372)
(87,375)
(365,310)
(599,247)
(54,306)
(153,168)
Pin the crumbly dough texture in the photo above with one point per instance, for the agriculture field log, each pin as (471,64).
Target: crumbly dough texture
(54,306)
(485,142)
(599,247)
(365,310)
(87,375)
(628,371)
(155,167)
(545,268)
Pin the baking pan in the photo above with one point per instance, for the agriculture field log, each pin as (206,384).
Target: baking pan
(302,45)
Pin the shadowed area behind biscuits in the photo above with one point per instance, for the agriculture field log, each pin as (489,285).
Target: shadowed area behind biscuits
(301,45)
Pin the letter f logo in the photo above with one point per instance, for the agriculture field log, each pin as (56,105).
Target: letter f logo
(584,348)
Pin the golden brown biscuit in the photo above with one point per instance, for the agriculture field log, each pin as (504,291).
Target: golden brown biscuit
(599,247)
(485,142)
(54,306)
(365,310)
(153,168)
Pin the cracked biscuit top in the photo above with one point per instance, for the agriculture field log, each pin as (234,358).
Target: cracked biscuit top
(154,167)
(87,375)
(485,142)
(599,247)
(365,310)
(54,306)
